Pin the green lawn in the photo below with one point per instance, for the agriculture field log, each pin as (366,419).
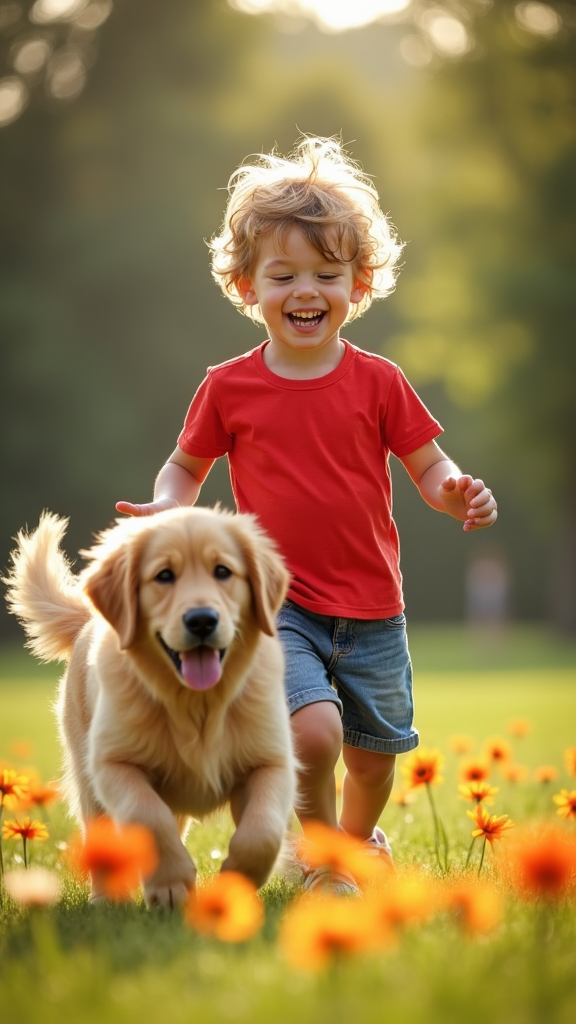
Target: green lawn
(127,964)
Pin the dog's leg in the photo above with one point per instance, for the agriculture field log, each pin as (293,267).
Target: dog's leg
(261,807)
(128,797)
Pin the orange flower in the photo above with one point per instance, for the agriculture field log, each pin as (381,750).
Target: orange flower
(545,773)
(13,787)
(407,899)
(116,856)
(461,744)
(474,770)
(566,803)
(21,749)
(478,792)
(498,749)
(228,906)
(513,772)
(35,887)
(519,727)
(403,797)
(570,761)
(40,794)
(322,846)
(26,830)
(318,930)
(491,826)
(423,767)
(542,864)
(475,905)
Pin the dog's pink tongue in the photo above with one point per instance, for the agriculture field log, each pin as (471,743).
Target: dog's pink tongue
(201,668)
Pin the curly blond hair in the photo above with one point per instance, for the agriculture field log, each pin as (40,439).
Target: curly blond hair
(319,188)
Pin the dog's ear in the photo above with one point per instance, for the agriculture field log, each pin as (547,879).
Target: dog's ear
(111,584)
(266,571)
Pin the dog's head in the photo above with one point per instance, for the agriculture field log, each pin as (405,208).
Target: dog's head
(193,582)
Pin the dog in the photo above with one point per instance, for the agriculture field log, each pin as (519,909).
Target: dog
(172,704)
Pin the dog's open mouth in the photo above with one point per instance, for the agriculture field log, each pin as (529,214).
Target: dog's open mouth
(200,667)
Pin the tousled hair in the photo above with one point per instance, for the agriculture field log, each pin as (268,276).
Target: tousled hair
(321,190)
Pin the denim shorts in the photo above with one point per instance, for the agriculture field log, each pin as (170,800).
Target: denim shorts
(362,665)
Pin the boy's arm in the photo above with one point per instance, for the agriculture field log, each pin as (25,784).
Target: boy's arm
(178,483)
(446,489)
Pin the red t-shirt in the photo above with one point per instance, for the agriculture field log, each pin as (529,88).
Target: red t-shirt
(310,459)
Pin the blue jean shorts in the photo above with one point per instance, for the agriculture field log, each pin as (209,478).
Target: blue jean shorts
(362,665)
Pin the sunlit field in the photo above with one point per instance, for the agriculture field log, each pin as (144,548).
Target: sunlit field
(459,934)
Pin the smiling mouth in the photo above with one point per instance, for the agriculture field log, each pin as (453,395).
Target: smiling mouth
(307,318)
(200,667)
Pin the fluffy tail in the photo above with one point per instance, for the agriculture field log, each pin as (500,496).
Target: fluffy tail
(43,592)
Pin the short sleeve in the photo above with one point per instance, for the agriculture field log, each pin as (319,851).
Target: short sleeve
(407,423)
(204,433)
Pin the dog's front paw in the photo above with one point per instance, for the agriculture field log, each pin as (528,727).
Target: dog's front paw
(169,888)
(167,895)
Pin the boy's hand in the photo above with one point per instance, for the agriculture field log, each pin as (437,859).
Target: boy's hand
(468,500)
(149,509)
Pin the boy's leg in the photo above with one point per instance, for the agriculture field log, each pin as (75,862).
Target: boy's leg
(317,731)
(367,786)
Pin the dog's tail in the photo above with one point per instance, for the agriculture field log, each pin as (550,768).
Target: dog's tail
(43,593)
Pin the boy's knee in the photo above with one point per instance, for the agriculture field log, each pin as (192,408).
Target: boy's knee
(369,769)
(317,730)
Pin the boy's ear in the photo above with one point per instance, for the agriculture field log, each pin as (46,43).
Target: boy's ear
(360,288)
(246,291)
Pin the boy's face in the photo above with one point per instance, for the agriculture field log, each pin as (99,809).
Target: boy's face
(304,297)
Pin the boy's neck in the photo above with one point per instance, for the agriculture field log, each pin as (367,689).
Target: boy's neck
(302,365)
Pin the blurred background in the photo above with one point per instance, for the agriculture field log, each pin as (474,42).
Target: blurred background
(120,123)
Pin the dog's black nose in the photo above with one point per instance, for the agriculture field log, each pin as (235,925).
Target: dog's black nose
(201,621)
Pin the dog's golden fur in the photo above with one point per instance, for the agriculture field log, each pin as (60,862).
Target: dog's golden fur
(140,744)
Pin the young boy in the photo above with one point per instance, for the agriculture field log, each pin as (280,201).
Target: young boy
(307,422)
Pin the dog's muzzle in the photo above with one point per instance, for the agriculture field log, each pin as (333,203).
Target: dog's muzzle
(200,665)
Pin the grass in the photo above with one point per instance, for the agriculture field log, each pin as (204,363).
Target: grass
(126,964)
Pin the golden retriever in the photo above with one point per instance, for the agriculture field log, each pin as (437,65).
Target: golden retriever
(172,704)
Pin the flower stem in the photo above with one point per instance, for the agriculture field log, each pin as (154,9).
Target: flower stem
(24,846)
(470,851)
(482,857)
(439,832)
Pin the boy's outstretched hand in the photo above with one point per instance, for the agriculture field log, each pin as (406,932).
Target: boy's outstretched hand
(468,500)
(148,509)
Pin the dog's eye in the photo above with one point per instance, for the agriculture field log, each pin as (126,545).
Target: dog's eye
(165,576)
(222,572)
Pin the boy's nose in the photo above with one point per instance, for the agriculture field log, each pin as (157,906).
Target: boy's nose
(306,289)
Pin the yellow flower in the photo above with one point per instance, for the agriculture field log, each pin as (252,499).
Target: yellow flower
(519,727)
(513,772)
(423,767)
(461,744)
(13,787)
(228,906)
(545,773)
(117,856)
(491,826)
(498,749)
(26,829)
(35,887)
(318,930)
(403,797)
(570,761)
(478,792)
(566,803)
(476,770)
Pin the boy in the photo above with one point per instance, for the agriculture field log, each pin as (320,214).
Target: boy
(307,422)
